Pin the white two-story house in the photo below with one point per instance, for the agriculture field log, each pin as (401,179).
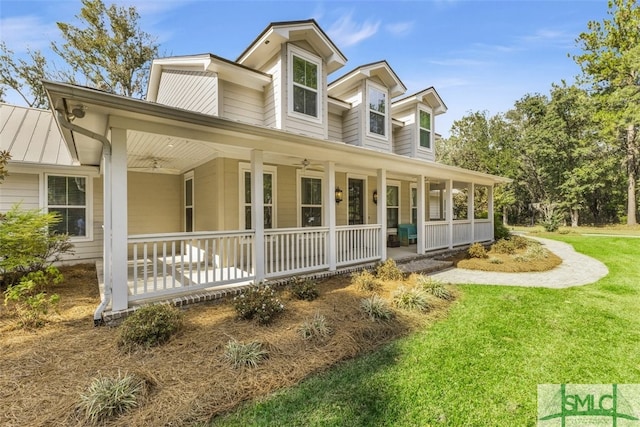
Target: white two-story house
(238,171)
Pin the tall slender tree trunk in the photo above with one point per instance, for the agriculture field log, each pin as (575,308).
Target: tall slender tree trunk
(632,169)
(575,216)
(505,215)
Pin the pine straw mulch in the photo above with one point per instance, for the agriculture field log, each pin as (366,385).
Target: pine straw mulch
(509,263)
(44,371)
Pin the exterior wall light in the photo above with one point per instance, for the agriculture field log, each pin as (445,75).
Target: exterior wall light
(375,196)
(339,195)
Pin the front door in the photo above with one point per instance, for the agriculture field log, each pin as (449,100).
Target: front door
(356,201)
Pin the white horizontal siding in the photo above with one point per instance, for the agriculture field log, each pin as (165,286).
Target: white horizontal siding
(190,90)
(273,94)
(351,127)
(306,127)
(242,104)
(403,140)
(20,188)
(335,127)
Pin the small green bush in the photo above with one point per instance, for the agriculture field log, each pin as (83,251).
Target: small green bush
(389,271)
(315,328)
(376,308)
(494,260)
(499,229)
(434,287)
(365,281)
(28,298)
(504,246)
(411,299)
(520,258)
(244,354)
(150,326)
(519,242)
(258,302)
(537,252)
(108,397)
(304,289)
(477,251)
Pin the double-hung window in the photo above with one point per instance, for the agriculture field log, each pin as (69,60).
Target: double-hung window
(393,205)
(377,106)
(268,192)
(304,84)
(67,196)
(310,201)
(425,129)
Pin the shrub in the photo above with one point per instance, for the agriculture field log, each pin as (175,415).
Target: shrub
(258,302)
(304,289)
(477,251)
(388,270)
(537,252)
(376,308)
(28,298)
(504,246)
(519,242)
(365,281)
(241,354)
(434,287)
(494,260)
(315,328)
(499,229)
(411,299)
(28,244)
(150,326)
(520,258)
(108,397)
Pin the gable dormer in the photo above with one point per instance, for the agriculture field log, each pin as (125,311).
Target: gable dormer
(368,89)
(299,56)
(414,135)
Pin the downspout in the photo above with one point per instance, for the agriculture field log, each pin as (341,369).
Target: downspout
(106,153)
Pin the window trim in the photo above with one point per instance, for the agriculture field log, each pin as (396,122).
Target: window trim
(308,174)
(413,186)
(371,85)
(420,128)
(88,202)
(273,170)
(399,185)
(189,176)
(307,56)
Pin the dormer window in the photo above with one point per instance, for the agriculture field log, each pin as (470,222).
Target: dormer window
(425,129)
(305,84)
(377,106)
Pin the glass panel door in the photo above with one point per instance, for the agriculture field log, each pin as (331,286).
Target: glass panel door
(356,201)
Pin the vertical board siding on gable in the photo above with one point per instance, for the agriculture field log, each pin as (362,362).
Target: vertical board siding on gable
(242,104)
(22,188)
(335,127)
(190,90)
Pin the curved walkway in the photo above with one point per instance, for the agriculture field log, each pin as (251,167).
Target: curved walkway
(576,270)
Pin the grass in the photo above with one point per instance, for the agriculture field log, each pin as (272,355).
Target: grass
(482,364)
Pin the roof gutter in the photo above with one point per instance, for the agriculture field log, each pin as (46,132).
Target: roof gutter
(106,153)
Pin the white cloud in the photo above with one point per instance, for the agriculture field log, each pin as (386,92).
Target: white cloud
(400,28)
(22,32)
(345,32)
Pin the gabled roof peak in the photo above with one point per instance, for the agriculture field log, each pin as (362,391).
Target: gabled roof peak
(427,96)
(380,69)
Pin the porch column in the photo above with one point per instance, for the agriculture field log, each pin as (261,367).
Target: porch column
(471,210)
(421,208)
(490,208)
(119,213)
(257,211)
(449,213)
(382,211)
(330,212)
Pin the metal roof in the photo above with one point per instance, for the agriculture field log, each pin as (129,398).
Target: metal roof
(31,135)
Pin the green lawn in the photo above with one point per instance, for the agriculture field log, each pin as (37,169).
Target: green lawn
(481,365)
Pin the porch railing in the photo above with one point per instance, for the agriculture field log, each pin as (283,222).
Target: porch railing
(462,232)
(436,235)
(482,230)
(164,264)
(295,250)
(357,243)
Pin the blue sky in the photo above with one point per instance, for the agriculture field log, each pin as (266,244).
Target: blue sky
(479,55)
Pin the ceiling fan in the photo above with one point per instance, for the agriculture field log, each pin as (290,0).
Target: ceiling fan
(305,163)
(153,164)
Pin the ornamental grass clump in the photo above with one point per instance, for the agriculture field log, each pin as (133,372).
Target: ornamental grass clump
(244,354)
(150,326)
(304,289)
(414,299)
(537,252)
(434,287)
(315,328)
(520,242)
(108,397)
(504,246)
(477,251)
(376,308)
(365,281)
(258,302)
(389,271)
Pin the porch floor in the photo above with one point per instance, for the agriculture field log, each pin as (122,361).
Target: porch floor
(405,256)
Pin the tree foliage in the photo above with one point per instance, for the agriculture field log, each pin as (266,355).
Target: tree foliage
(4,159)
(111,51)
(610,63)
(24,75)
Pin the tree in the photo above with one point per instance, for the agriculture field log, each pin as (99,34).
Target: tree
(610,64)
(4,158)
(111,52)
(24,76)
